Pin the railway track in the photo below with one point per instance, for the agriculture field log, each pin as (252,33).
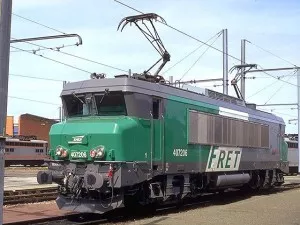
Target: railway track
(30,195)
(124,216)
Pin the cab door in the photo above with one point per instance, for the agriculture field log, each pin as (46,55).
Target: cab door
(157,133)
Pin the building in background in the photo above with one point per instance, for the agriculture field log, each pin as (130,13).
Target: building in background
(9,125)
(30,125)
(16,129)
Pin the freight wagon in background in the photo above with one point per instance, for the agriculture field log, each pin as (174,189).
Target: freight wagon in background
(26,151)
(293,152)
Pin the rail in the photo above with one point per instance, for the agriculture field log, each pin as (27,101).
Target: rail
(12,197)
(123,216)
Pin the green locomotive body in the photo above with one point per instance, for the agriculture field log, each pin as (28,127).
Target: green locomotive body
(128,140)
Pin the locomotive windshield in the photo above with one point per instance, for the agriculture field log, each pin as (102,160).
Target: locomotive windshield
(110,104)
(102,104)
(77,105)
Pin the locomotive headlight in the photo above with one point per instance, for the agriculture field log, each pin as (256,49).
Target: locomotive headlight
(58,151)
(64,153)
(93,153)
(97,152)
(100,152)
(61,152)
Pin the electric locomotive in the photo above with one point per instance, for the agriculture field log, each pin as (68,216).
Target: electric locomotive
(128,138)
(138,139)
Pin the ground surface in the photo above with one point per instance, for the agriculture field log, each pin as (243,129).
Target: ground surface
(277,208)
(19,171)
(22,178)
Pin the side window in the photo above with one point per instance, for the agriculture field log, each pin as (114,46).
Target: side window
(155,108)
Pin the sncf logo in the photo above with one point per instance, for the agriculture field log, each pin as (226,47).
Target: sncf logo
(77,139)
(224,159)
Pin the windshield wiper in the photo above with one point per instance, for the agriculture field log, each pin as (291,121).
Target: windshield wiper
(106,92)
(77,97)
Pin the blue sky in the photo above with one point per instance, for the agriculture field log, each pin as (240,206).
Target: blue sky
(272,25)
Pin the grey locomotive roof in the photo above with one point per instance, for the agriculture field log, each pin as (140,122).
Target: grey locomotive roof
(139,86)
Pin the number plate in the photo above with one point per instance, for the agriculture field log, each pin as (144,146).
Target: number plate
(78,154)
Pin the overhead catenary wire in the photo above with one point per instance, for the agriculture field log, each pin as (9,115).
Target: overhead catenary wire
(199,58)
(276,77)
(212,86)
(189,54)
(34,77)
(182,32)
(32,100)
(57,49)
(40,24)
(261,77)
(45,48)
(49,79)
(194,38)
(270,85)
(264,88)
(53,60)
(134,9)
(265,50)
(276,91)
(175,30)
(270,75)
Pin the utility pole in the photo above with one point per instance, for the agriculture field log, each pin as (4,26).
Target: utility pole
(171,79)
(298,87)
(5,30)
(243,62)
(225,61)
(62,107)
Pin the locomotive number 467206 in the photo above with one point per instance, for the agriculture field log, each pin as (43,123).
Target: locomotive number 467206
(78,154)
(180,152)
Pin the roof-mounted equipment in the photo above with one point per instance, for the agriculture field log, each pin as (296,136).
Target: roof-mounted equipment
(238,76)
(97,75)
(153,37)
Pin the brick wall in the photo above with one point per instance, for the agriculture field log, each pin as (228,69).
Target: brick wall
(9,125)
(35,125)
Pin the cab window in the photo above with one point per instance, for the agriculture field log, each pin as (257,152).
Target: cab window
(111,103)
